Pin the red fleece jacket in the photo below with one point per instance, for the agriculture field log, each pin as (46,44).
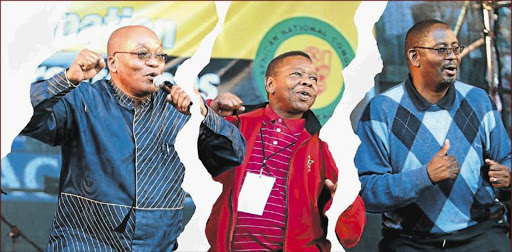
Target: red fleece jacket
(307,198)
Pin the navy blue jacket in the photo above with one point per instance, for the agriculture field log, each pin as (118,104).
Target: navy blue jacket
(120,182)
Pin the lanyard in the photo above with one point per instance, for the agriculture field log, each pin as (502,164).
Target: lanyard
(273,154)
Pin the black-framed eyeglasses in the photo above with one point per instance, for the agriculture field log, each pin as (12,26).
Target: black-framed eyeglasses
(443,51)
(160,57)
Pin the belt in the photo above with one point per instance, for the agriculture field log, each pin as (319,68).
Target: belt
(441,239)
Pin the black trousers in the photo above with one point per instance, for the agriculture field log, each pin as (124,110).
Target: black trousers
(485,236)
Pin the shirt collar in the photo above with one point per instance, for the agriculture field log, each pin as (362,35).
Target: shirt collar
(125,100)
(294,125)
(422,104)
(312,125)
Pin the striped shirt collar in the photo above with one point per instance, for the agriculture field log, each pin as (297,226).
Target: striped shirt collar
(312,125)
(125,100)
(294,125)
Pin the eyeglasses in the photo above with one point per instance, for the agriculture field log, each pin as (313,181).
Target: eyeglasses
(443,51)
(160,57)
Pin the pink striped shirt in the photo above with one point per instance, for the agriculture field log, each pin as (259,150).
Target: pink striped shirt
(266,232)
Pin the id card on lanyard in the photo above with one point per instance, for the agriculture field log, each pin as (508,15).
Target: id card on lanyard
(257,187)
(255,193)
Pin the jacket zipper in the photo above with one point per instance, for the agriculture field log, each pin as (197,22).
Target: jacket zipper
(232,228)
(287,182)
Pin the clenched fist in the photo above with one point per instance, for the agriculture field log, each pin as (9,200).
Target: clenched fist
(227,103)
(85,66)
(499,175)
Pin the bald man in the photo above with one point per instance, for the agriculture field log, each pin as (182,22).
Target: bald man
(434,154)
(120,183)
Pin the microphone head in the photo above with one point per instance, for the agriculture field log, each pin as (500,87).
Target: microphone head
(159,80)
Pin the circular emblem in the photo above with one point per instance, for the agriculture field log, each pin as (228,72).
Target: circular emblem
(326,46)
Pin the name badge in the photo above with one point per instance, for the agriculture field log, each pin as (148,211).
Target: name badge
(255,193)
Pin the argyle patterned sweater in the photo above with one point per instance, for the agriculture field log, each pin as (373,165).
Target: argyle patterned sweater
(400,132)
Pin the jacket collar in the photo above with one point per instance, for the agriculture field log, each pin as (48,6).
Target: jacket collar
(422,104)
(294,125)
(125,100)
(312,124)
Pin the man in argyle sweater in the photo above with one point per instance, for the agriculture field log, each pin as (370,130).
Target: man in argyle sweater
(434,153)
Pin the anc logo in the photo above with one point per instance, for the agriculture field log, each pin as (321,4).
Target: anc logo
(326,46)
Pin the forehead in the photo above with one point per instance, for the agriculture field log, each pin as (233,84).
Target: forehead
(441,34)
(141,38)
(296,62)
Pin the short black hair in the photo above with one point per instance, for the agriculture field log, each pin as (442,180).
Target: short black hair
(419,32)
(272,66)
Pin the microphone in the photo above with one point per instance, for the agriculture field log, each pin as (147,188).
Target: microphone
(163,82)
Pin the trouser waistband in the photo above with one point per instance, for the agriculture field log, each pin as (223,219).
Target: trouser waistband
(460,236)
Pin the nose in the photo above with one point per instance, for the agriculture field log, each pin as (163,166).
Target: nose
(152,61)
(450,54)
(306,81)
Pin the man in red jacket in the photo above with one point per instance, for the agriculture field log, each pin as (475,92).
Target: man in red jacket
(277,199)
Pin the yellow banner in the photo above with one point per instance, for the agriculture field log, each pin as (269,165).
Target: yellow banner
(248,22)
(255,31)
(182,25)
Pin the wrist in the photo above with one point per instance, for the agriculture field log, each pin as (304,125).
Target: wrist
(204,105)
(70,82)
(432,182)
(203,108)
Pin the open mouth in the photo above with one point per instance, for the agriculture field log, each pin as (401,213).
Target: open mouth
(450,70)
(304,95)
(151,76)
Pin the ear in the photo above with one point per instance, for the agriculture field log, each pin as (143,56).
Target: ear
(413,57)
(112,64)
(270,84)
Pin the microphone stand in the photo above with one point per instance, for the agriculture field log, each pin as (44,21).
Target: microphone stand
(16,233)
(50,187)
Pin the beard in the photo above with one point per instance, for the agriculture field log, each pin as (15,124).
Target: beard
(445,83)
